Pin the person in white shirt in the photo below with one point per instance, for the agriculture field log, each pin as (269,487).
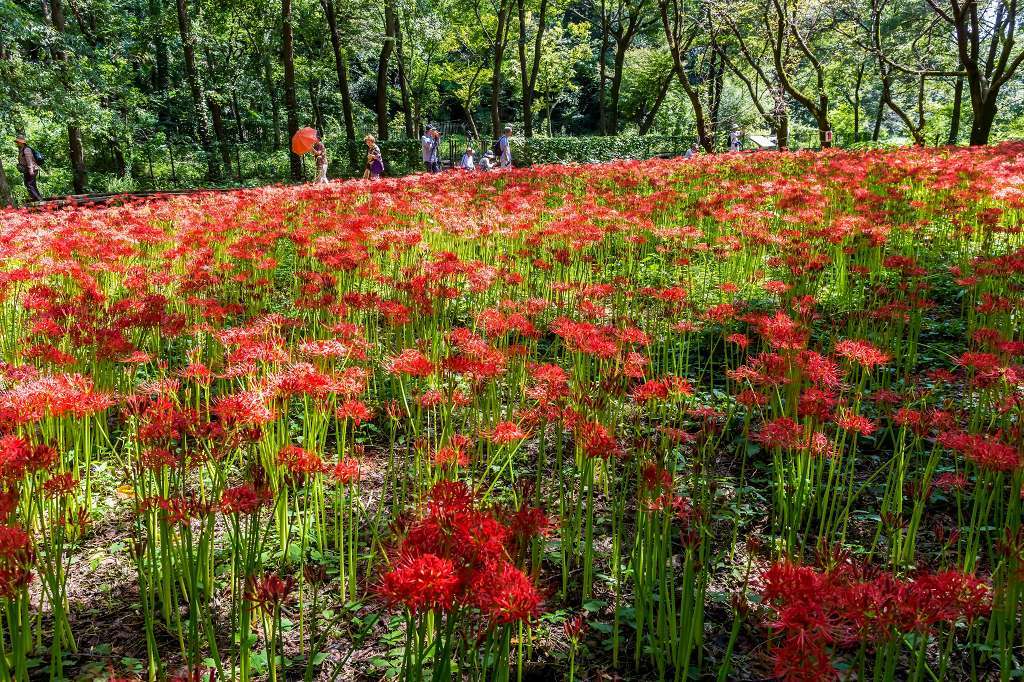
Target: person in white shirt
(487,162)
(734,140)
(428,146)
(506,148)
(467,162)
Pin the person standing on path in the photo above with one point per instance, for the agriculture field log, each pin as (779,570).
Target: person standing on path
(320,154)
(29,167)
(734,140)
(428,146)
(505,147)
(374,159)
(435,152)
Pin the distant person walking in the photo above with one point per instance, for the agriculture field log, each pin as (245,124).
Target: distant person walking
(505,148)
(28,164)
(320,154)
(735,140)
(435,151)
(427,145)
(467,162)
(374,159)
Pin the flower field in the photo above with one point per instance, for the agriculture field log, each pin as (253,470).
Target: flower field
(736,418)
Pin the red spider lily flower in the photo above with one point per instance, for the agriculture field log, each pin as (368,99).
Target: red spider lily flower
(862,353)
(575,627)
(948,482)
(8,503)
(504,433)
(18,458)
(421,583)
(411,362)
(60,485)
(849,421)
(505,594)
(244,499)
(300,462)
(356,410)
(243,409)
(269,591)
(985,451)
(783,433)
(597,440)
(346,471)
(16,559)
(781,332)
(528,523)
(177,510)
(739,340)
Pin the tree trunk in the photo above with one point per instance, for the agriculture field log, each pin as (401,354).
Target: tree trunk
(618,65)
(220,131)
(856,104)
(981,125)
(500,38)
(524,74)
(782,130)
(528,74)
(877,131)
(275,108)
(5,190)
(161,72)
(645,125)
(602,61)
(382,69)
(76,151)
(198,102)
(120,167)
(341,65)
(314,102)
(403,84)
(237,112)
(954,120)
(291,104)
(717,73)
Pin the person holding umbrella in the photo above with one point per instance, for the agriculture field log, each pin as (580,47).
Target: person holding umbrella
(306,140)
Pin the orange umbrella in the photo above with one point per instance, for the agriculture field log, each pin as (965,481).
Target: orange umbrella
(304,140)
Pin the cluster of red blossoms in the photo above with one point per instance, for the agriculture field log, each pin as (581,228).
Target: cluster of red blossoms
(458,556)
(817,614)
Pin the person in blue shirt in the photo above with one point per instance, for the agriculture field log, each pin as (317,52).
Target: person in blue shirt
(505,146)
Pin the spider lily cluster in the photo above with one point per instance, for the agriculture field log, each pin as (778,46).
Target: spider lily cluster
(727,417)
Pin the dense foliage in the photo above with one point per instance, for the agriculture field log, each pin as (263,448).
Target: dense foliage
(733,417)
(128,94)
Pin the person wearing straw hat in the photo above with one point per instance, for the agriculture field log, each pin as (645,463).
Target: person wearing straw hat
(505,146)
(29,167)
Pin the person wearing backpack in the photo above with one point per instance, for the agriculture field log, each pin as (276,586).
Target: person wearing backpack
(503,148)
(29,161)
